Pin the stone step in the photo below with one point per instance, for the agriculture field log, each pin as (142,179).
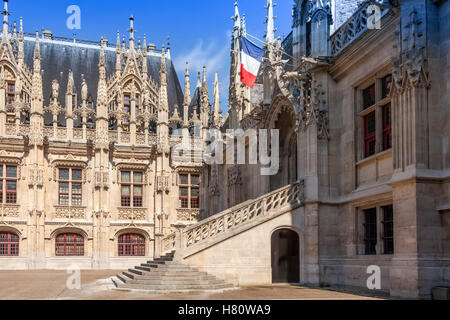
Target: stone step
(166,288)
(169,278)
(166,266)
(183,282)
(160,273)
(165,275)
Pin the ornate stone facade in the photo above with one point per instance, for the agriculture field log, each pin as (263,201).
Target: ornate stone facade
(89,148)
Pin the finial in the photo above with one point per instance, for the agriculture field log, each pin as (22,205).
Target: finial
(270,30)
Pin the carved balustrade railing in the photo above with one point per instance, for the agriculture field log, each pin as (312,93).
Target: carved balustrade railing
(249,212)
(351,30)
(169,242)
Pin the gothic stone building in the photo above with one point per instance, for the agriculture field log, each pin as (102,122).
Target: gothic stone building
(85,135)
(363,119)
(88,176)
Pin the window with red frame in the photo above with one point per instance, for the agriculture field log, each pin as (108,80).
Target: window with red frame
(387,127)
(189,191)
(70,187)
(69,245)
(9,244)
(10,93)
(132,186)
(8,184)
(370,134)
(131,245)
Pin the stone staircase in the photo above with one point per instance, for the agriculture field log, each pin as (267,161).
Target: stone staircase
(164,275)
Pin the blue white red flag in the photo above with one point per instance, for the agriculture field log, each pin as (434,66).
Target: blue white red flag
(251,59)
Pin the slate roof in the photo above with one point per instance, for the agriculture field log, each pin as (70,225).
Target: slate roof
(58,57)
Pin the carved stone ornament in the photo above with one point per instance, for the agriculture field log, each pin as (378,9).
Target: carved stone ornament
(410,68)
(234,176)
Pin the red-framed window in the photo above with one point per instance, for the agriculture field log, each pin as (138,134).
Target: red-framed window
(189,185)
(132,189)
(8,184)
(370,134)
(9,244)
(70,187)
(11,90)
(387,127)
(69,244)
(131,245)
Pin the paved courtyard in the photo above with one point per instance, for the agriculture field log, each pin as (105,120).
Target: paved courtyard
(95,285)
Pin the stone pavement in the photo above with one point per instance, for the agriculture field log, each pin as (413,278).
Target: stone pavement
(51,285)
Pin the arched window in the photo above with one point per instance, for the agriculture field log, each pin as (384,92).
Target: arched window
(132,245)
(9,244)
(69,244)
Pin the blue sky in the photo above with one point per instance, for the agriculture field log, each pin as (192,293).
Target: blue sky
(199,29)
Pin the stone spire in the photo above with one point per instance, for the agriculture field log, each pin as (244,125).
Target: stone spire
(118,55)
(270,29)
(70,85)
(21,54)
(205,108)
(5,14)
(243,26)
(187,95)
(132,31)
(216,108)
(102,87)
(237,21)
(163,99)
(144,59)
(37,94)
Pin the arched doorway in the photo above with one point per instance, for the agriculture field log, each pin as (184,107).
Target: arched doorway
(285,256)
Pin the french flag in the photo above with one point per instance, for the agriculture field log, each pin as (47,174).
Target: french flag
(251,59)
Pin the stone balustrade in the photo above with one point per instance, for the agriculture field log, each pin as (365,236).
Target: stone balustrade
(351,30)
(246,213)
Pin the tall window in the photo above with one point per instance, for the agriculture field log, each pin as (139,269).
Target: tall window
(378,231)
(8,182)
(375,110)
(388,229)
(131,245)
(189,191)
(132,185)
(69,244)
(70,187)
(369,97)
(9,244)
(387,127)
(11,90)
(370,231)
(370,134)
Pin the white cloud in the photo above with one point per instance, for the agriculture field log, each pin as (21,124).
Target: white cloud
(215,55)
